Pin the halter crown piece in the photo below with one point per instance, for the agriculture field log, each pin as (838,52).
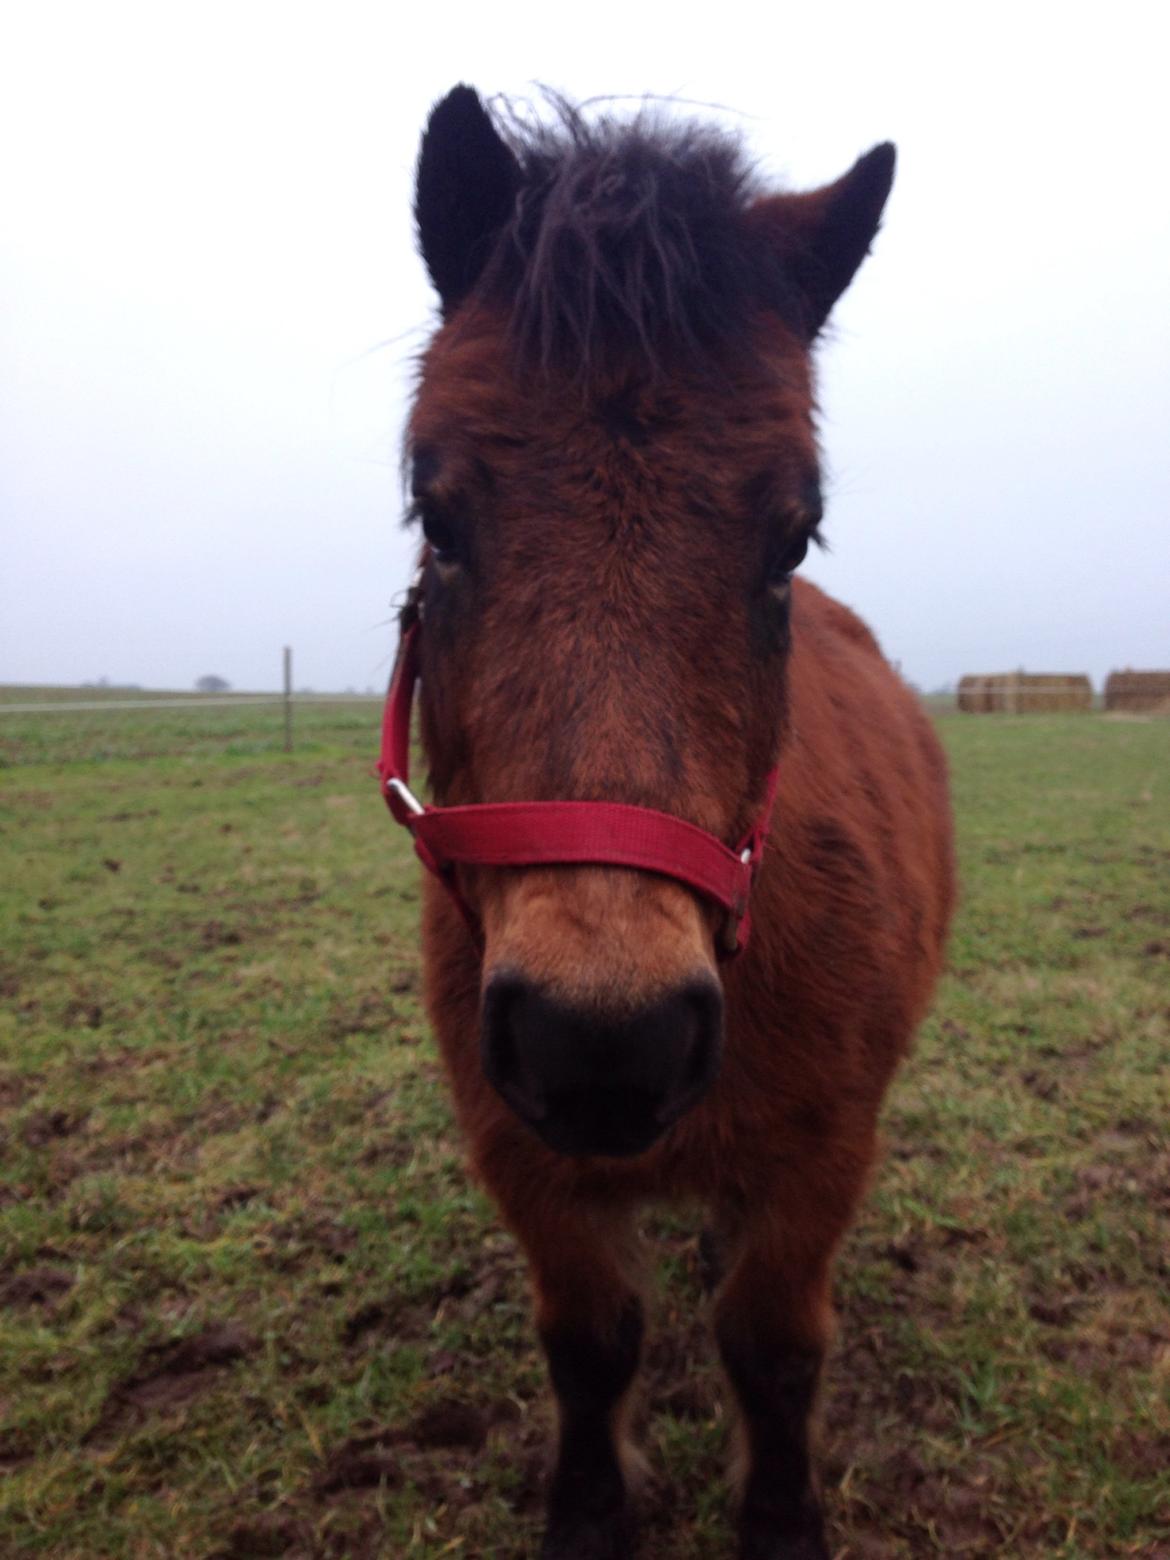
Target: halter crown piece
(529,834)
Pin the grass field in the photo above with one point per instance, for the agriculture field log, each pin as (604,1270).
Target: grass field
(250,1305)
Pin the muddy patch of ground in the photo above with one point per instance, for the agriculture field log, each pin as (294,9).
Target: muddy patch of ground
(169,1376)
(38,1286)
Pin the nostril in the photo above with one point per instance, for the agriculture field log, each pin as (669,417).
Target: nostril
(503,1063)
(699,1019)
(692,1047)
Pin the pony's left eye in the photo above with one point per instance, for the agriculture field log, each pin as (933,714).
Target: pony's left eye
(442,535)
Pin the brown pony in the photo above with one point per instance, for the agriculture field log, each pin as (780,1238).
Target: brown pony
(615,469)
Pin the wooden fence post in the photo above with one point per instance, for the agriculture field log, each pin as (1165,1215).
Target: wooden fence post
(287,699)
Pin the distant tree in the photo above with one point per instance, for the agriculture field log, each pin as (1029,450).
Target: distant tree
(212,684)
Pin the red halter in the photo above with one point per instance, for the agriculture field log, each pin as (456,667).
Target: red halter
(527,834)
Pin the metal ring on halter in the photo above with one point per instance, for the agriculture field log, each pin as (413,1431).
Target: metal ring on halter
(405,795)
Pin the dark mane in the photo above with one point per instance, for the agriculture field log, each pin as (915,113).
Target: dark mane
(629,238)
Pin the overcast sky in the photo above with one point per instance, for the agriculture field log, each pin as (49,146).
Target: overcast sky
(211,302)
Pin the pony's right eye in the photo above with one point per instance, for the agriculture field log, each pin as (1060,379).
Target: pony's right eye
(786,558)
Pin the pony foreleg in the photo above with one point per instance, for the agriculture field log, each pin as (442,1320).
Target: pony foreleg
(773,1322)
(588,1510)
(589,1317)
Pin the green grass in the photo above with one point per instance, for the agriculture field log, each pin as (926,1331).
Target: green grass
(250,1303)
(192,731)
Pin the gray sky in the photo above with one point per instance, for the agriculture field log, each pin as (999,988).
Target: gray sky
(211,302)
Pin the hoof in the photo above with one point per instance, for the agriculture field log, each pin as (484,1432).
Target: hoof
(604,1538)
(765,1541)
(808,1548)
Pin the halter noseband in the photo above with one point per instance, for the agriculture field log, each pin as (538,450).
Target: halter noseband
(528,834)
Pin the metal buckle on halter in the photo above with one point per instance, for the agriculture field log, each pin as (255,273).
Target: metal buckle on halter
(405,795)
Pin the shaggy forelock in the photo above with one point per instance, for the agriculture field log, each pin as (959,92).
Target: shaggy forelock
(630,239)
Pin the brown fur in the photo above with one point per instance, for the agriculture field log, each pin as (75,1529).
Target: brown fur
(603,639)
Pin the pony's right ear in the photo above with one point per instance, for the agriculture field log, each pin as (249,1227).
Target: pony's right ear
(465,190)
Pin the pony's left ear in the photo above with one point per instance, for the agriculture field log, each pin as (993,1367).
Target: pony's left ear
(465,190)
(824,236)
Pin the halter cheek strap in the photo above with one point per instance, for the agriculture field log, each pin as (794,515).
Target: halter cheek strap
(528,834)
